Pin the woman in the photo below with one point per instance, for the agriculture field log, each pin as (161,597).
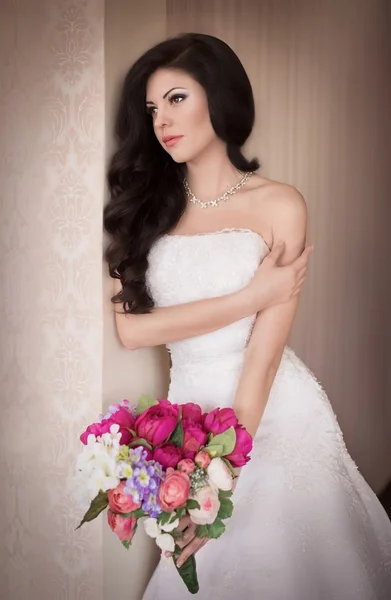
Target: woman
(196,235)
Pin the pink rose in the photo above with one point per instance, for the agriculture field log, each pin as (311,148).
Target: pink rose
(123,527)
(219,420)
(203,459)
(244,443)
(192,412)
(167,455)
(157,423)
(120,501)
(193,438)
(174,490)
(186,465)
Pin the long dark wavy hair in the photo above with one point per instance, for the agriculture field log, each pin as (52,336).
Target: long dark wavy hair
(146,193)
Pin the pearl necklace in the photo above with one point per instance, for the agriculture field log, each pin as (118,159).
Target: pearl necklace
(222,198)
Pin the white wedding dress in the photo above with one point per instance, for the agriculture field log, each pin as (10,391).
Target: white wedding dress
(306,525)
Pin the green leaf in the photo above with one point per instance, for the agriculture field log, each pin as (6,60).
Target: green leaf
(216,529)
(192,504)
(135,513)
(164,518)
(226,508)
(224,494)
(202,531)
(176,437)
(188,573)
(144,403)
(227,439)
(215,449)
(230,467)
(140,442)
(180,512)
(177,534)
(98,504)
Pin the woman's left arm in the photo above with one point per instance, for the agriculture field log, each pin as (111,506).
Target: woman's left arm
(272,325)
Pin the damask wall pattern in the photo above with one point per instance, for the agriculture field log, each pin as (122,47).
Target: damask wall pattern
(52,186)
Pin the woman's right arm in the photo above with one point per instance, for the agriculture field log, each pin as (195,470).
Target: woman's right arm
(270,285)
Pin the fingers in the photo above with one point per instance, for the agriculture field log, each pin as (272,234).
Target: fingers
(184,522)
(188,536)
(190,549)
(276,251)
(298,286)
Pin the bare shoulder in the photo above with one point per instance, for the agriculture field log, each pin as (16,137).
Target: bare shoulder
(277,197)
(279,208)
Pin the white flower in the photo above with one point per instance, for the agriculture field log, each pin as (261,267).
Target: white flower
(164,540)
(220,475)
(170,526)
(209,502)
(96,465)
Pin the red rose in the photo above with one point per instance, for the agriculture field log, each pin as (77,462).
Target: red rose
(157,423)
(219,420)
(191,412)
(167,455)
(122,417)
(193,438)
(244,443)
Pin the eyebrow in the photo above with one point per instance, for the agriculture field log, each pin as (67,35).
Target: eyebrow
(166,94)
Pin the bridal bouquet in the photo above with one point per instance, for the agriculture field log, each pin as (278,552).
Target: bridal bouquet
(159,462)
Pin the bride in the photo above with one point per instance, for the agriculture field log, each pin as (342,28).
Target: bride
(209,258)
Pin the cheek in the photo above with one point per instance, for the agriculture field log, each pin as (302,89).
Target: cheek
(200,132)
(202,126)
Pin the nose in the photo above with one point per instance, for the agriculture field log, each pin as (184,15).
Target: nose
(162,118)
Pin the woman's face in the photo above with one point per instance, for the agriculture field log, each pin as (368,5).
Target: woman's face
(179,107)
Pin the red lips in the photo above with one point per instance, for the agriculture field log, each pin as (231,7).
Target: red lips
(168,138)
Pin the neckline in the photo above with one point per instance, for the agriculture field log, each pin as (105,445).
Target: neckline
(218,232)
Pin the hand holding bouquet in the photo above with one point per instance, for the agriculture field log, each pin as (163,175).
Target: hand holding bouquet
(165,464)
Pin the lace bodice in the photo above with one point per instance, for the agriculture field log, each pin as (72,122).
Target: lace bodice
(185,268)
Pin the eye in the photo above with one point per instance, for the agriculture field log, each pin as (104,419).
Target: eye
(175,97)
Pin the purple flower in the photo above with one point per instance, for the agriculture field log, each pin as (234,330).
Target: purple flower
(151,506)
(145,481)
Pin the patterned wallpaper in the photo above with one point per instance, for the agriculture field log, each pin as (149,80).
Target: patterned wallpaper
(51,170)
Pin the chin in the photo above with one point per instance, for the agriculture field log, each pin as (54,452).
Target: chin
(180,157)
(185,157)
